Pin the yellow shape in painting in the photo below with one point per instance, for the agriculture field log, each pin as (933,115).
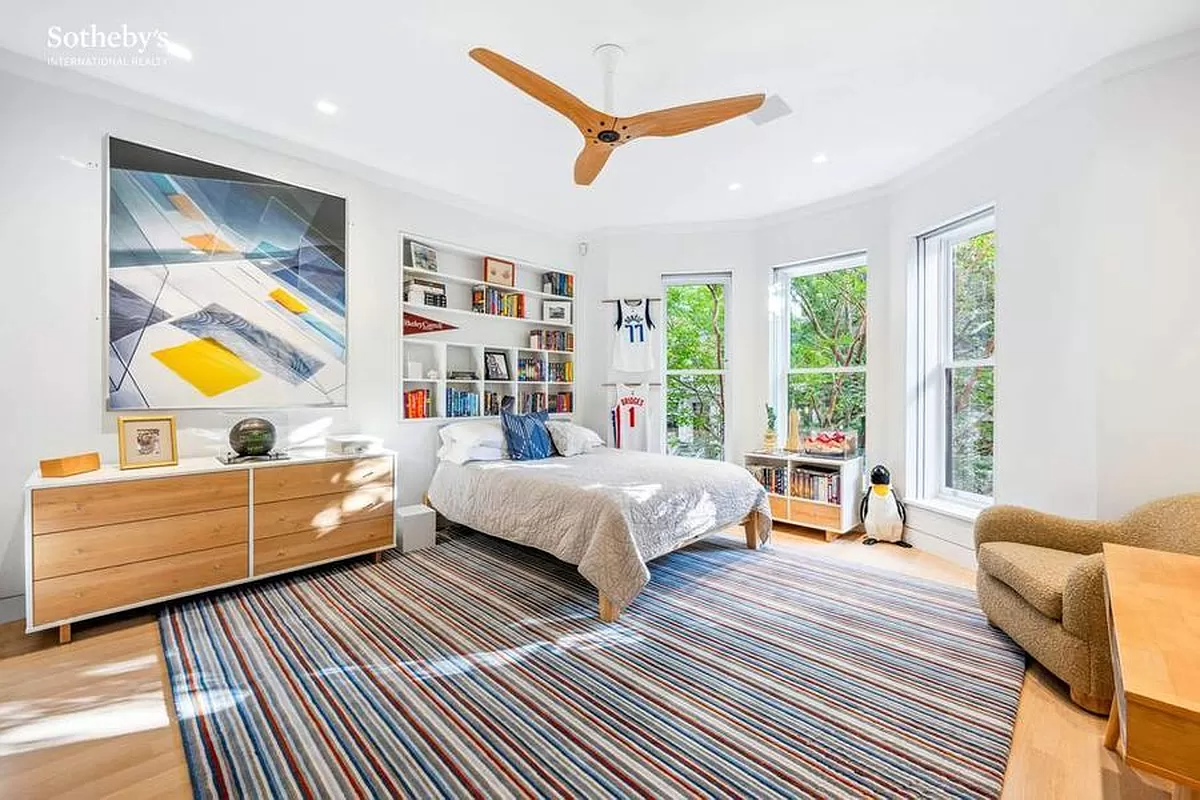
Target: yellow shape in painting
(208,366)
(288,301)
(184,205)
(209,243)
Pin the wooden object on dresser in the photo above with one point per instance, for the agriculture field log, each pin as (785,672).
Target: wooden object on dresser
(69,465)
(799,499)
(1153,601)
(111,540)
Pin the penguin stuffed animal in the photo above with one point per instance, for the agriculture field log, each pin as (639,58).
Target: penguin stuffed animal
(881,511)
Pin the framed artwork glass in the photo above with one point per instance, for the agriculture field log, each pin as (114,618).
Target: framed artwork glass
(497,270)
(147,442)
(495,365)
(556,311)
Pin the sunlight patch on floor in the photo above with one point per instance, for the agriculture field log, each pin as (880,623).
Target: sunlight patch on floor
(127,715)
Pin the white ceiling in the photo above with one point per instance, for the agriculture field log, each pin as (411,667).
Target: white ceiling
(877,85)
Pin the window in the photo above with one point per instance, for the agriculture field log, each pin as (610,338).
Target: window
(695,365)
(820,343)
(956,373)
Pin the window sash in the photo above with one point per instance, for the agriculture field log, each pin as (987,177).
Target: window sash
(669,279)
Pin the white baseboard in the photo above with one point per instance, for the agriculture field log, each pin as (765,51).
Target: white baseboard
(963,556)
(12,608)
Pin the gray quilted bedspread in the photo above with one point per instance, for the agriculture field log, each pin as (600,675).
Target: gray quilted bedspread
(607,511)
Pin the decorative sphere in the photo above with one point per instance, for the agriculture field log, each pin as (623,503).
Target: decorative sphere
(252,436)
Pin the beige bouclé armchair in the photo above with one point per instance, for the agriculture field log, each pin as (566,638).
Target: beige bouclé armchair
(1041,581)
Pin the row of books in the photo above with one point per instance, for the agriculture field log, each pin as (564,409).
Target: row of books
(773,479)
(824,487)
(559,403)
(493,402)
(552,340)
(424,292)
(418,404)
(560,371)
(461,404)
(531,369)
(488,300)
(558,283)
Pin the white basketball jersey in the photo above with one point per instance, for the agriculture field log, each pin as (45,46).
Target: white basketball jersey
(632,348)
(632,419)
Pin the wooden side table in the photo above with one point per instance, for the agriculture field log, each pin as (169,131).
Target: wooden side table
(1154,622)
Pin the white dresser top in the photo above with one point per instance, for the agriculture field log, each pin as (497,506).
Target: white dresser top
(187,466)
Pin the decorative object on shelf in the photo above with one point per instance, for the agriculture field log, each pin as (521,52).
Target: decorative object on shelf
(793,440)
(253,436)
(463,375)
(831,443)
(495,365)
(425,292)
(497,270)
(769,439)
(432,374)
(352,444)
(415,323)
(882,514)
(600,130)
(422,256)
(556,311)
(69,465)
(147,442)
(234,458)
(187,238)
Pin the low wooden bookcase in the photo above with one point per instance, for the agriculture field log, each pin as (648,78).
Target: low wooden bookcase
(110,540)
(811,491)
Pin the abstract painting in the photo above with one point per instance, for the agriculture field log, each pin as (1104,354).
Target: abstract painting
(225,289)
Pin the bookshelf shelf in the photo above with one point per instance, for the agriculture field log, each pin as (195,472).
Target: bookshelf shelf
(817,492)
(473,343)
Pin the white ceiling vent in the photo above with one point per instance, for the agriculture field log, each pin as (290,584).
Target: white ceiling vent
(772,109)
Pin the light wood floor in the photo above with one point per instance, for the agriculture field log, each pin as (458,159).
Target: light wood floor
(93,718)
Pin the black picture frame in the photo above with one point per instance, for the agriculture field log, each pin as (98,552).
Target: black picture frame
(495,366)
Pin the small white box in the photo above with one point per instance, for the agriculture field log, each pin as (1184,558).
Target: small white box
(352,444)
(418,527)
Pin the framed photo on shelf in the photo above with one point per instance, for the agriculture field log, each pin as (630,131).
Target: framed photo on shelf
(497,270)
(423,256)
(556,311)
(495,365)
(147,442)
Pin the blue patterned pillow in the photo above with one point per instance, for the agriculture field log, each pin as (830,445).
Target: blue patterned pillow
(526,435)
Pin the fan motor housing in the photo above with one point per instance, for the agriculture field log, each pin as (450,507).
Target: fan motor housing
(608,136)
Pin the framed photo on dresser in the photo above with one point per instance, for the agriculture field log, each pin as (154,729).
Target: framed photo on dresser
(147,442)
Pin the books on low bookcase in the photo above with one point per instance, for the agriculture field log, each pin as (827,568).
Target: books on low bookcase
(810,491)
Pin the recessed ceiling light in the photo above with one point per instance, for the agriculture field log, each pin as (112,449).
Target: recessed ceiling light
(733,187)
(177,50)
(820,158)
(326,107)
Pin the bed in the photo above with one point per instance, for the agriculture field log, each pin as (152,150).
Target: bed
(607,511)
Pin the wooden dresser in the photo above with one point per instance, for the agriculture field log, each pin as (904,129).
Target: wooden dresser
(110,540)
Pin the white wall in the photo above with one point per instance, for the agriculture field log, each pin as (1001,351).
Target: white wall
(1098,235)
(51,224)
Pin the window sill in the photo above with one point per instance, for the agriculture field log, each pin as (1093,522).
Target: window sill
(955,509)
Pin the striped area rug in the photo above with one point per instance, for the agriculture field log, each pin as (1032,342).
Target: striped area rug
(479,669)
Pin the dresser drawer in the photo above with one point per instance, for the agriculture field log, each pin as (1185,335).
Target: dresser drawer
(328,477)
(97,504)
(56,599)
(68,552)
(815,515)
(312,546)
(778,506)
(324,513)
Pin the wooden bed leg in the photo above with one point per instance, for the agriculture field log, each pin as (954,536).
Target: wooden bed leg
(64,633)
(750,523)
(831,536)
(608,612)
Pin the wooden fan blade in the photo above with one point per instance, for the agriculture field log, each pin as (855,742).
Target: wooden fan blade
(537,87)
(591,160)
(683,119)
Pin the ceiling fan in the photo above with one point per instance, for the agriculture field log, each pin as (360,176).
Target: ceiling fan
(602,131)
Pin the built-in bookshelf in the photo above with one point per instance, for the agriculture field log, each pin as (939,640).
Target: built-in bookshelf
(498,350)
(812,491)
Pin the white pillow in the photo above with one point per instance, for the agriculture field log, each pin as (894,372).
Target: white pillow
(571,439)
(475,440)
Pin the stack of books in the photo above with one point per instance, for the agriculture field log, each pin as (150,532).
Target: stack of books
(425,292)
(488,300)
(561,371)
(531,369)
(824,487)
(558,283)
(461,404)
(562,403)
(418,404)
(563,341)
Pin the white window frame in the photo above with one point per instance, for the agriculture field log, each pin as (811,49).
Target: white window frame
(781,362)
(935,356)
(689,279)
